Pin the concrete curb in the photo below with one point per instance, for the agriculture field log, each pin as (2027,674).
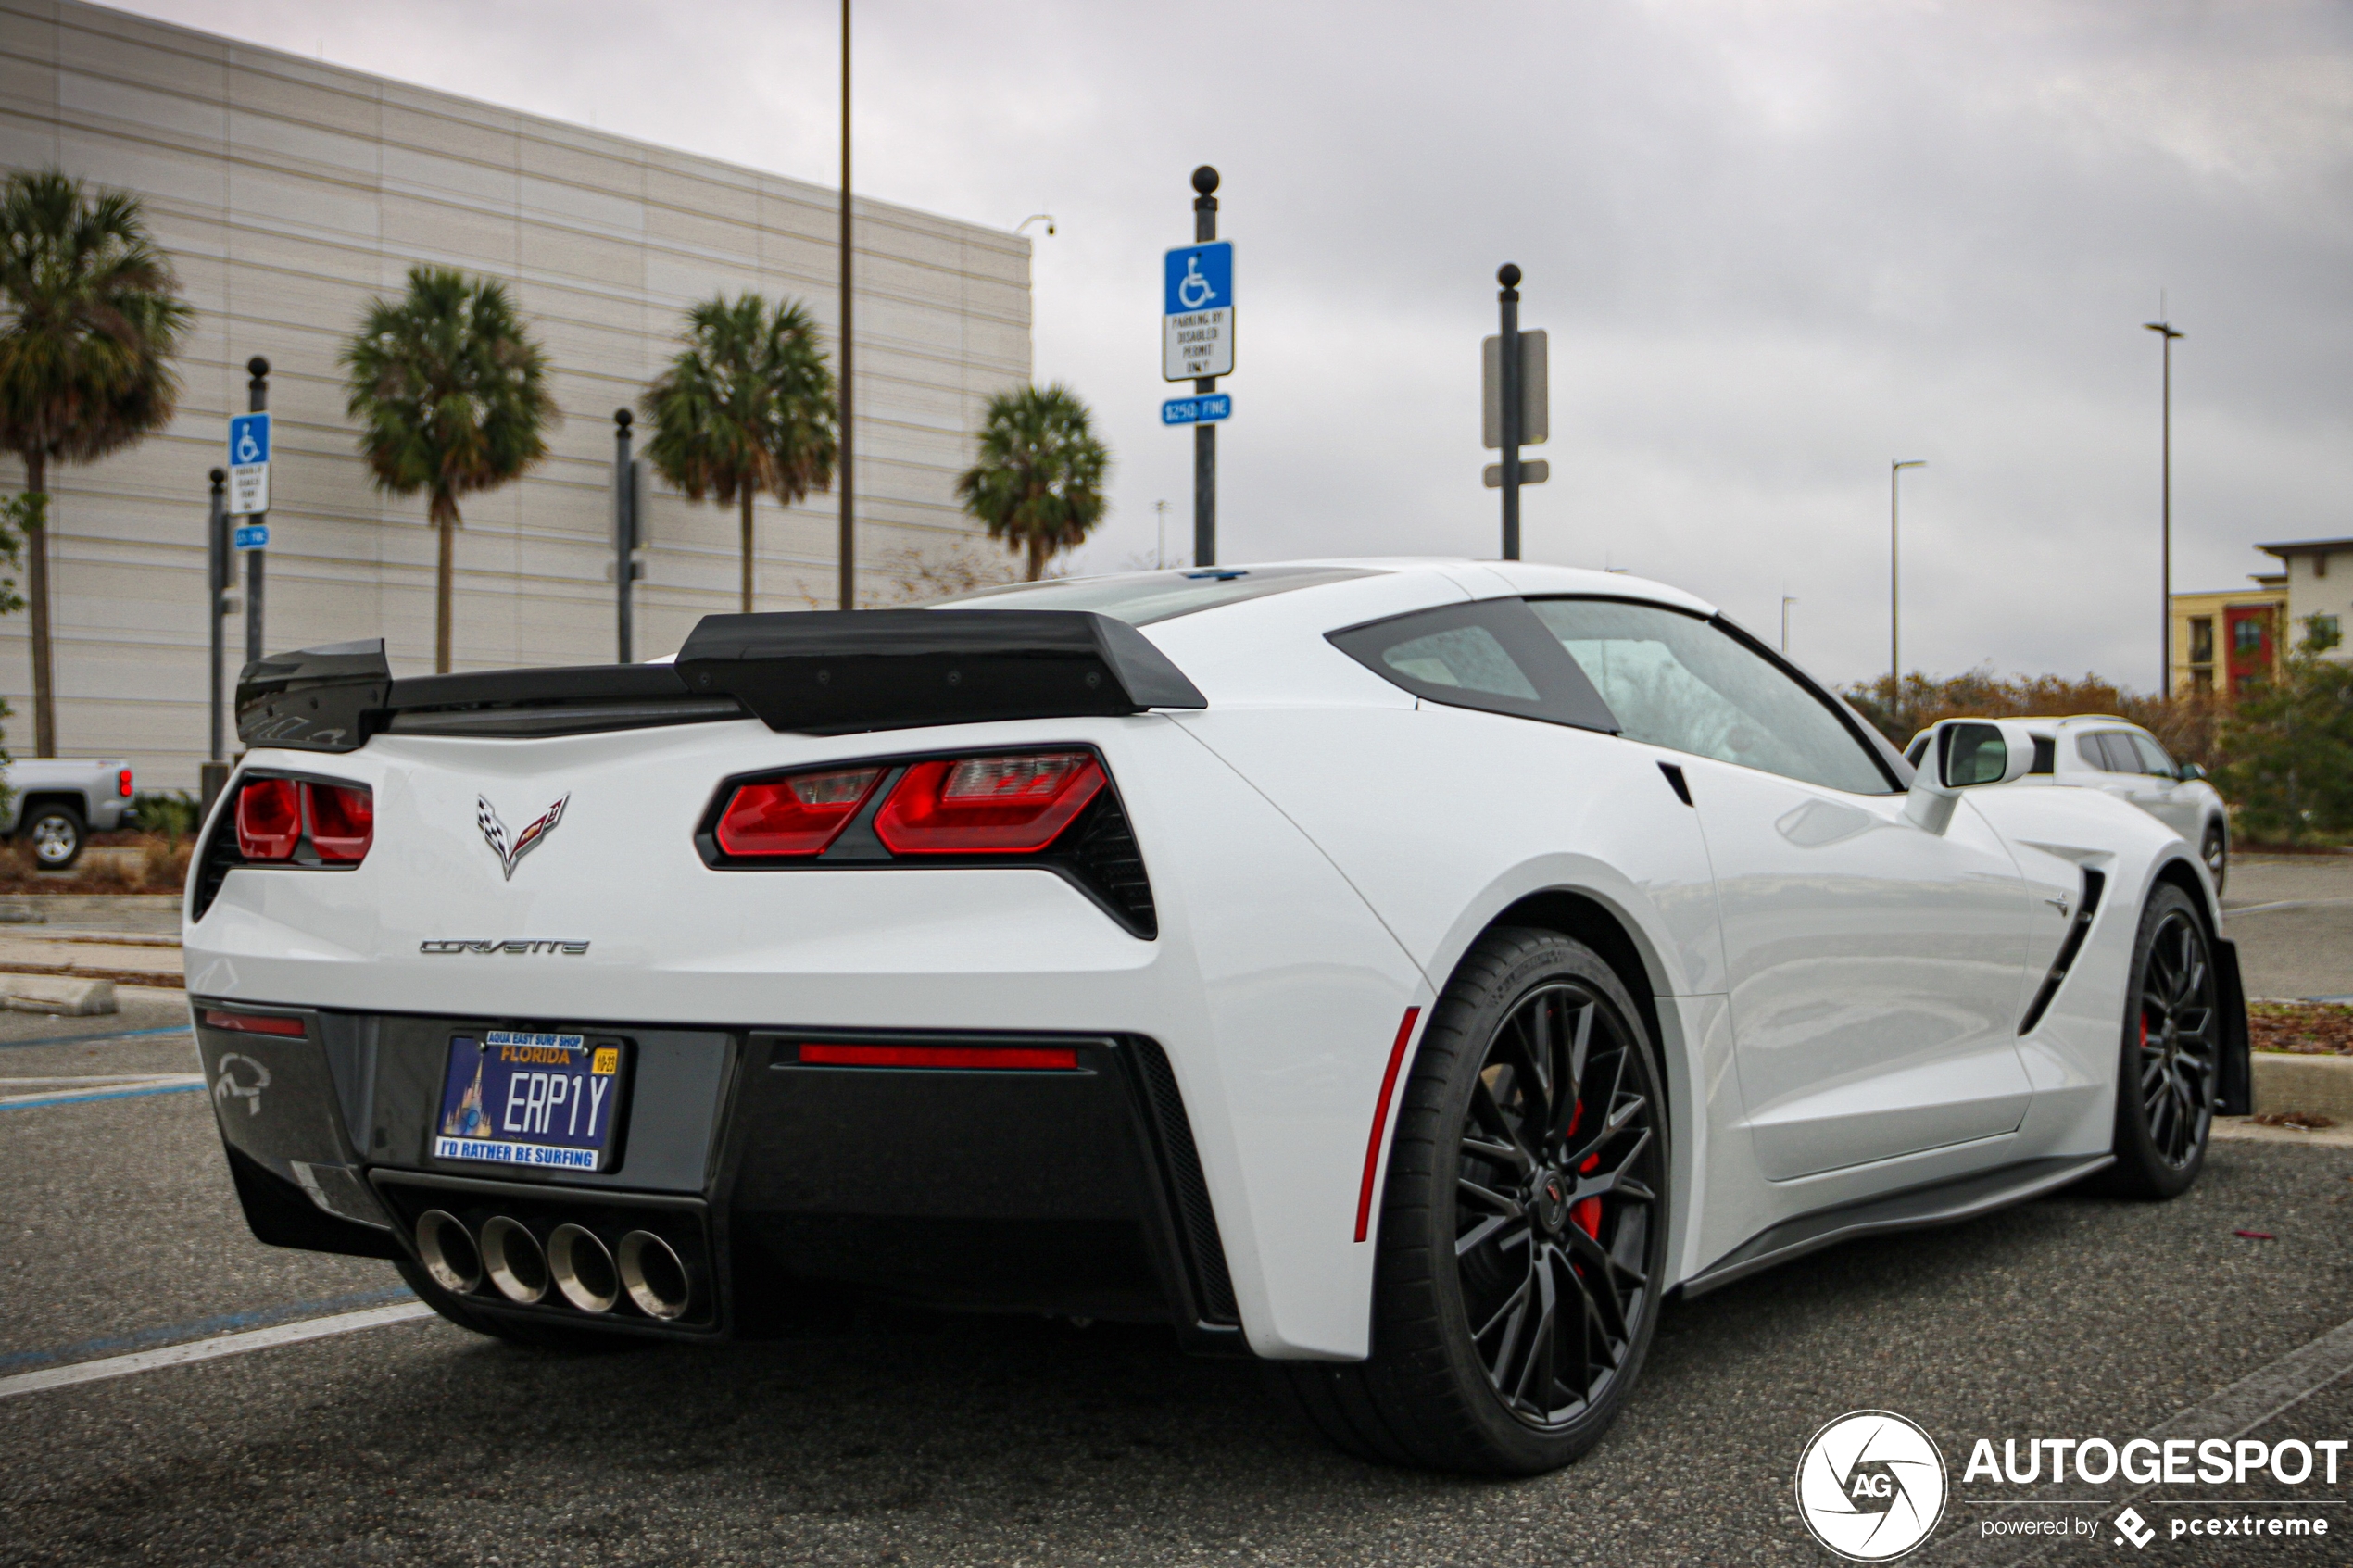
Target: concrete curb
(2322,1085)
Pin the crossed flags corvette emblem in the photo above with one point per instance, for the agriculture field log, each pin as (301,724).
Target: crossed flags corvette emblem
(509,850)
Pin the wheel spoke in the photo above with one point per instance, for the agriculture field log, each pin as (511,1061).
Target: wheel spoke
(1509,1208)
(1491,1116)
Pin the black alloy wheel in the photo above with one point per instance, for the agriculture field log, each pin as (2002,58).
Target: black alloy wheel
(1558,1153)
(1523,1233)
(2170,1071)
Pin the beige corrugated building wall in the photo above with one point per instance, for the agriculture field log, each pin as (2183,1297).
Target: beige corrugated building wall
(288,193)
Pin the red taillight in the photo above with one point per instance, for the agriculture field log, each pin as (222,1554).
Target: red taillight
(343,819)
(1050,1059)
(269,819)
(799,815)
(988,805)
(252,1022)
(122,783)
(272,815)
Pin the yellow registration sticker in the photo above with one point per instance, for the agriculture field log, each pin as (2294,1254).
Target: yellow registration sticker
(607,1061)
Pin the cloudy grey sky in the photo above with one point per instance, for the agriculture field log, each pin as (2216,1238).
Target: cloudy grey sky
(1776,247)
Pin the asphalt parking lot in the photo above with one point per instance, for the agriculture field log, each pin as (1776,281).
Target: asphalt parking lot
(918,1439)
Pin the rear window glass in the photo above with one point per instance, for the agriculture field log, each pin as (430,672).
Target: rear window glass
(1141,597)
(1493,655)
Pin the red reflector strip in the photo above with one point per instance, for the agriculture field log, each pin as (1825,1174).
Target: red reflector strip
(1381,1123)
(1050,1059)
(254,1022)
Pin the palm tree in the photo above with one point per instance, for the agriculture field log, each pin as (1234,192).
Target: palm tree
(90,318)
(451,393)
(747,406)
(1039,482)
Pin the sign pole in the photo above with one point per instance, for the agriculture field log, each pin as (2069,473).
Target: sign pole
(256,401)
(625,532)
(1508,368)
(1206,433)
(219,566)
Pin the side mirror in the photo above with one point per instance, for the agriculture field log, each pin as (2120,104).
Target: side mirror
(1962,754)
(2192,773)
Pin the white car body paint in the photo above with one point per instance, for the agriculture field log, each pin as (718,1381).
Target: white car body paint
(1837,991)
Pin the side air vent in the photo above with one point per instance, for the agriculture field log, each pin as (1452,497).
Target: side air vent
(1204,1251)
(2087,906)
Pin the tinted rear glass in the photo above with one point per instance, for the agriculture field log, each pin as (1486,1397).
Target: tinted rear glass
(1141,597)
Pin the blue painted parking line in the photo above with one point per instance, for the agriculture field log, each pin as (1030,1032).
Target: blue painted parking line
(43,1102)
(200,1328)
(90,1039)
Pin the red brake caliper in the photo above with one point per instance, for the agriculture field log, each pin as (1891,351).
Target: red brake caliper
(1585,1216)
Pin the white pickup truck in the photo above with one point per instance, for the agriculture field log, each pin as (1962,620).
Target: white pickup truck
(57,802)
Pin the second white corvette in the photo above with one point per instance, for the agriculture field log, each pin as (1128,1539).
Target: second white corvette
(1404,972)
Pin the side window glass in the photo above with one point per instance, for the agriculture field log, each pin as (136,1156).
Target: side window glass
(1677,681)
(2117,747)
(2152,755)
(1493,654)
(2088,749)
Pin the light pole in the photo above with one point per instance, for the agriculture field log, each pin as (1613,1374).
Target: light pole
(1895,598)
(2165,512)
(1786,602)
(1160,536)
(848,506)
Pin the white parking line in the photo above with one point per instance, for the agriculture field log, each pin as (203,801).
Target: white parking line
(207,1349)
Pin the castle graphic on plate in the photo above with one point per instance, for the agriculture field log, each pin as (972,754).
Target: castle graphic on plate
(466,1119)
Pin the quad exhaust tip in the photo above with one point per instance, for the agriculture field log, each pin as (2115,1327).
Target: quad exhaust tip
(654,1276)
(449,1254)
(583,1271)
(511,1257)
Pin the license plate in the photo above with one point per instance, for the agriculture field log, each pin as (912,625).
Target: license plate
(513,1098)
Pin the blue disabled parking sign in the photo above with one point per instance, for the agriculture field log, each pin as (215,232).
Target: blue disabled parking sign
(248,440)
(1197,312)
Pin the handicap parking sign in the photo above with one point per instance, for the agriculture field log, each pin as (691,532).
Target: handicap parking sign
(1197,313)
(248,440)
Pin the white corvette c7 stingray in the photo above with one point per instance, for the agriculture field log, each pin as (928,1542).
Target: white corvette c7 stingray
(1405,971)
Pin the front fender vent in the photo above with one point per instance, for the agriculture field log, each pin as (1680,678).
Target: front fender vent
(2092,881)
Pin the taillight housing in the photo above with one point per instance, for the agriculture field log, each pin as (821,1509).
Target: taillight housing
(1006,804)
(1051,808)
(122,784)
(800,814)
(275,819)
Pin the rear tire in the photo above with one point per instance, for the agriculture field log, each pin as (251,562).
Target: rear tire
(498,1325)
(1523,1231)
(2216,852)
(53,837)
(2169,1062)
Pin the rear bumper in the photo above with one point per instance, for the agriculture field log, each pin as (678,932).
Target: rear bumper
(1074,1191)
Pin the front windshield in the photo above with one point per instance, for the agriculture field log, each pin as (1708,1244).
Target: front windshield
(1141,597)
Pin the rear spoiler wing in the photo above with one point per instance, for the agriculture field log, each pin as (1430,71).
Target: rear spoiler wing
(821,672)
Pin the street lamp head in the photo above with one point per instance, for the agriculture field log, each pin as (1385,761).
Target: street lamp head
(219,477)
(1910,463)
(1045,217)
(1508,275)
(1205,180)
(624,419)
(256,367)
(2164,329)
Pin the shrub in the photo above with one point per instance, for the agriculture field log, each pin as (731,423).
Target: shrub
(174,813)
